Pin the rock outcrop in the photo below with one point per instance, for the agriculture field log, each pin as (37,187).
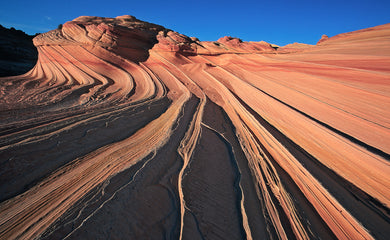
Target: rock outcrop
(128,130)
(323,39)
(17,52)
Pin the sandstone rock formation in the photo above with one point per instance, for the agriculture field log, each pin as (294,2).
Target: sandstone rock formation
(323,39)
(127,130)
(294,47)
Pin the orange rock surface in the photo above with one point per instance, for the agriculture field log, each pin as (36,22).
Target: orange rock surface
(128,130)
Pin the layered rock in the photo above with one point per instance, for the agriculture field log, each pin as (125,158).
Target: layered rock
(127,130)
(124,35)
(294,48)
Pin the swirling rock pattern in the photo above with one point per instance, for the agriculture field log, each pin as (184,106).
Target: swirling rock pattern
(127,130)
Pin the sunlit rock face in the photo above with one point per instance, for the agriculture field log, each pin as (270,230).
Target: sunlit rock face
(127,130)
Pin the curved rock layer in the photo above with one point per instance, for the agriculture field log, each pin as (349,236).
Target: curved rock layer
(128,130)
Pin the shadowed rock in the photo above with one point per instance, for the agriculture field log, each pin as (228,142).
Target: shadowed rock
(17,52)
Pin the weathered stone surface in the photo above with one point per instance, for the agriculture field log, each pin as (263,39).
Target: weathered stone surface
(127,130)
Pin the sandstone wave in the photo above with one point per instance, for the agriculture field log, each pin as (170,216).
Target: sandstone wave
(127,130)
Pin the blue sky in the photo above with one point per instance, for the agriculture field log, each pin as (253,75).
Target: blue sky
(279,22)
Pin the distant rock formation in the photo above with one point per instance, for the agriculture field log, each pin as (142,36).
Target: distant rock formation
(323,39)
(17,52)
(294,47)
(127,130)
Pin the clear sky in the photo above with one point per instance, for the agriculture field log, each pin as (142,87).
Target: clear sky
(279,22)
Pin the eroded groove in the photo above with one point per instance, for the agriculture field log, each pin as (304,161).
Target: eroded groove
(158,170)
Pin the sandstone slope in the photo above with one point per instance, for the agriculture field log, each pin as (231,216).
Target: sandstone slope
(128,130)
